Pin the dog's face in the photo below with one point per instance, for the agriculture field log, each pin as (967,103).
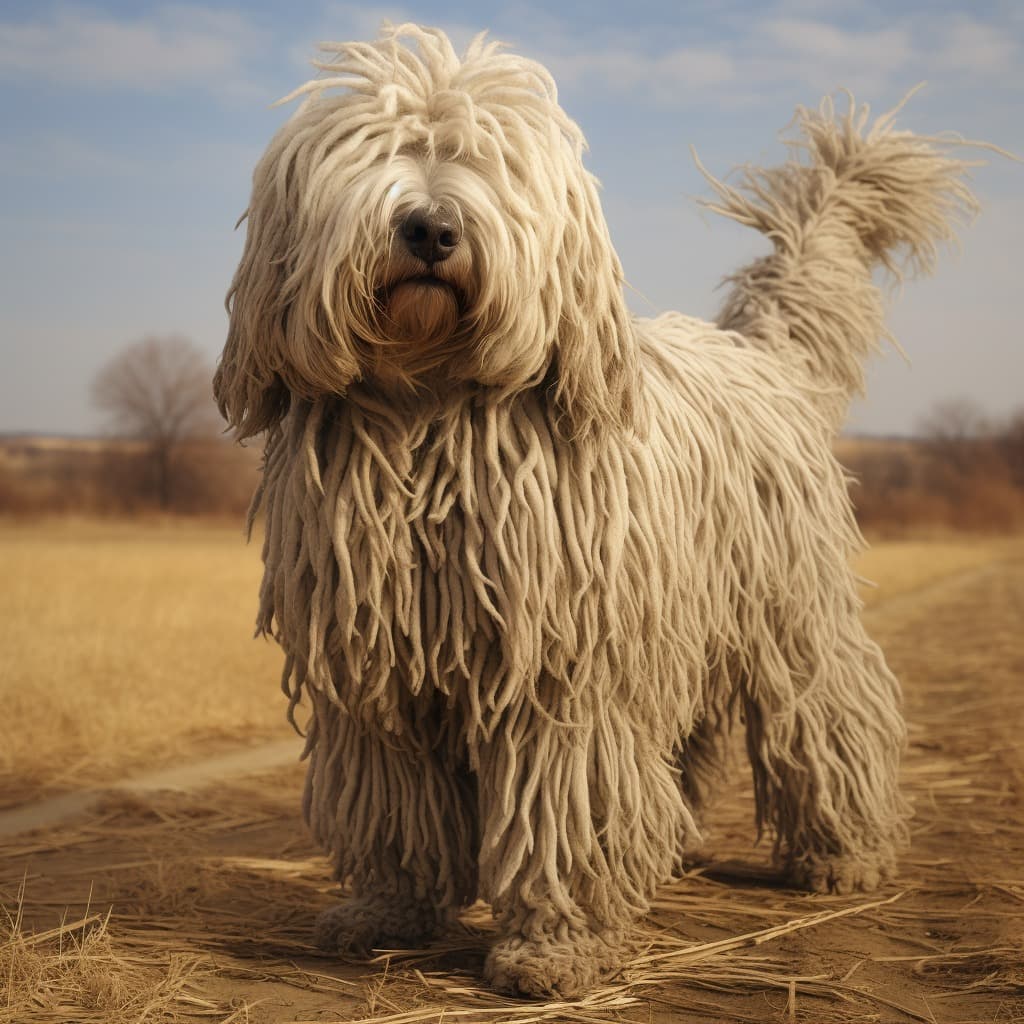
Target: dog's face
(431,224)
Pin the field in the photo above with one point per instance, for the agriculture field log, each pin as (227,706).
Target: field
(127,645)
(127,651)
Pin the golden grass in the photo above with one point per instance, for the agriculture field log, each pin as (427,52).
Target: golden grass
(892,568)
(76,971)
(125,644)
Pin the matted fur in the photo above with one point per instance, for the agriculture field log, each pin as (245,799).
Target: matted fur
(528,570)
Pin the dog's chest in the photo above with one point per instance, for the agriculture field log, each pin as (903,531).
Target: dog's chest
(477,557)
(401,559)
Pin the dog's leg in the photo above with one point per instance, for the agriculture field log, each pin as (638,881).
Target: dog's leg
(579,823)
(399,822)
(825,744)
(704,753)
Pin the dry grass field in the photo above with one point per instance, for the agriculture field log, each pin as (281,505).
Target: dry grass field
(127,647)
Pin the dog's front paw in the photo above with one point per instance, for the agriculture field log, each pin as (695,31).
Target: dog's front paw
(844,873)
(550,967)
(370,922)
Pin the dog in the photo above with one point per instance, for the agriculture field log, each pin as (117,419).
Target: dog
(528,555)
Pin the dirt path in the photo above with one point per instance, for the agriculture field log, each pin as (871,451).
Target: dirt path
(227,876)
(182,778)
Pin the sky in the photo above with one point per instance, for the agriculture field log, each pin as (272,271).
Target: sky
(130,130)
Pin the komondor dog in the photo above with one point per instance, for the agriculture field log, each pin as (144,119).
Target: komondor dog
(528,555)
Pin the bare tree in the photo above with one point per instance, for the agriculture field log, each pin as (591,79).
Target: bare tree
(158,391)
(954,419)
(957,433)
(1010,441)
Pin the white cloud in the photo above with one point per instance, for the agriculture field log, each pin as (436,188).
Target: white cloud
(666,78)
(171,46)
(911,46)
(739,61)
(972,46)
(821,41)
(820,56)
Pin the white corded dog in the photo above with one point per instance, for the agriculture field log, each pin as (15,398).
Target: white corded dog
(529,555)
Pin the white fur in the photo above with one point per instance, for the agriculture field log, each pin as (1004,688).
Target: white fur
(527,554)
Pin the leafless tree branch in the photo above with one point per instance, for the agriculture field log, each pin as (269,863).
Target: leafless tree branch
(158,390)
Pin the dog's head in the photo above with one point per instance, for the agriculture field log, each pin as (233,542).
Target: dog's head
(423,220)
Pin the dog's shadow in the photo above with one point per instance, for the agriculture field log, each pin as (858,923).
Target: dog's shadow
(268,916)
(736,872)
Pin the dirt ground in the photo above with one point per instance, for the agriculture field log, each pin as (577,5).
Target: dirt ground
(211,894)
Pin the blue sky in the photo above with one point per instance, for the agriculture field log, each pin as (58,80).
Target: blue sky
(130,131)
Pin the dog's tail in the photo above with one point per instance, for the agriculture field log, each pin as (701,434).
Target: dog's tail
(868,196)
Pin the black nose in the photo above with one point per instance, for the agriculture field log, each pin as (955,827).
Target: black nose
(430,235)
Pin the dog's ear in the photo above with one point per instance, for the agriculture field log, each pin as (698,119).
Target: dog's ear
(248,386)
(278,343)
(596,362)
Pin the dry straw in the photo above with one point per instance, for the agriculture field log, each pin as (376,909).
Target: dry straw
(77,971)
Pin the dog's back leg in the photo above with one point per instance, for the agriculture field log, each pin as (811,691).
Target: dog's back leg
(824,735)
(704,753)
(398,819)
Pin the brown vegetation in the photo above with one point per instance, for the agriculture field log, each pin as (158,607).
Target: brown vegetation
(898,486)
(963,474)
(166,454)
(77,966)
(85,476)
